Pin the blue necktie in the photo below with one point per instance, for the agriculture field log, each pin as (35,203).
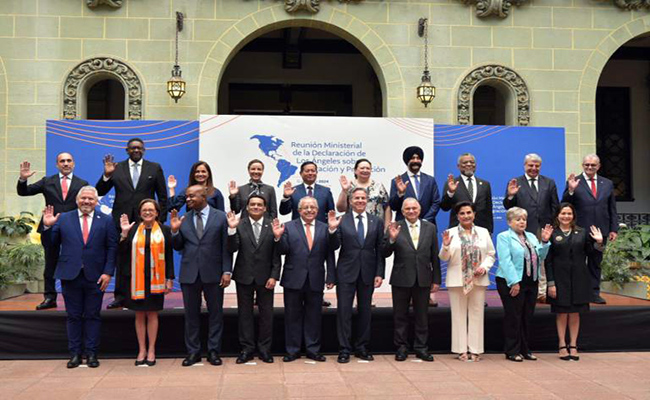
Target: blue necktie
(417,186)
(360,229)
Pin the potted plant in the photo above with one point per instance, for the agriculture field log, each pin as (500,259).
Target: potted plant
(626,261)
(21,256)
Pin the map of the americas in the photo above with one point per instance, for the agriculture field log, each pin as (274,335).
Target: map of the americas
(269,145)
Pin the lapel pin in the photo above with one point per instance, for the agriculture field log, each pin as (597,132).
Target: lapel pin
(558,238)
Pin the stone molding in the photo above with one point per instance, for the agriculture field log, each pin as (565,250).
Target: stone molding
(498,73)
(107,66)
(311,6)
(633,4)
(499,8)
(110,3)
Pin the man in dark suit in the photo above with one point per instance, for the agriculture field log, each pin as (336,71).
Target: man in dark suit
(416,184)
(257,269)
(88,243)
(201,237)
(309,187)
(359,270)
(134,180)
(60,192)
(595,202)
(305,244)
(467,187)
(416,272)
(537,194)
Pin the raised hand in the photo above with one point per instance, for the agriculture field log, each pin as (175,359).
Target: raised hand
(49,218)
(393,231)
(109,165)
(446,238)
(171,182)
(513,187)
(547,232)
(278,228)
(233,220)
(25,171)
(573,182)
(332,221)
(401,185)
(596,234)
(233,189)
(175,222)
(288,189)
(345,183)
(452,185)
(125,225)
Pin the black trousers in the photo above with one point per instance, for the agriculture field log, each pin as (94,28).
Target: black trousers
(345,298)
(518,315)
(192,302)
(593,263)
(402,297)
(302,315)
(122,282)
(51,258)
(245,295)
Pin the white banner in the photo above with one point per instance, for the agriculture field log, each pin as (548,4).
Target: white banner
(229,142)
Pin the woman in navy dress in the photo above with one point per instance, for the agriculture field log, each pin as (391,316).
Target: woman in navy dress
(200,174)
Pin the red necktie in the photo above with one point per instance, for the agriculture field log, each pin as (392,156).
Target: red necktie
(64,187)
(85,229)
(593,187)
(310,239)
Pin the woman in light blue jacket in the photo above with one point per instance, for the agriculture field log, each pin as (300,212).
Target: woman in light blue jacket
(520,259)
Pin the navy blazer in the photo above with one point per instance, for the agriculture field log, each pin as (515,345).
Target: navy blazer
(429,197)
(300,262)
(541,207)
(600,211)
(96,257)
(208,256)
(323,196)
(357,258)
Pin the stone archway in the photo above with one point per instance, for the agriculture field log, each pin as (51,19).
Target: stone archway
(95,69)
(371,45)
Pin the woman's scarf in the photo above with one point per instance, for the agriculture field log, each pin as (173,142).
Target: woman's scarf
(530,255)
(470,256)
(157,262)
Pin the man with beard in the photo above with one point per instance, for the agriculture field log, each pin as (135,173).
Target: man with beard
(467,187)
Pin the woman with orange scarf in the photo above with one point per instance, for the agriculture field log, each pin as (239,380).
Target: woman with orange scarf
(148,260)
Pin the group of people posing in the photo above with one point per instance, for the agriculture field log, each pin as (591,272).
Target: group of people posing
(550,248)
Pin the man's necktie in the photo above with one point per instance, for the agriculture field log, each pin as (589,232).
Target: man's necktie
(310,239)
(414,235)
(470,189)
(360,229)
(199,224)
(85,231)
(64,187)
(256,231)
(533,187)
(593,187)
(310,191)
(136,175)
(417,186)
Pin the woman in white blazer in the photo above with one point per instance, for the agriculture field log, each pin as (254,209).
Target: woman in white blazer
(469,253)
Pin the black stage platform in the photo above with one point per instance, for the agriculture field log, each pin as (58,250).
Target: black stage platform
(42,335)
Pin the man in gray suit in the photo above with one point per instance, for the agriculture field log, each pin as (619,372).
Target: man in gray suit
(537,194)
(206,264)
(416,272)
(257,270)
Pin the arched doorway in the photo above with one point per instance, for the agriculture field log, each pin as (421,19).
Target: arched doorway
(623,125)
(300,71)
(105,100)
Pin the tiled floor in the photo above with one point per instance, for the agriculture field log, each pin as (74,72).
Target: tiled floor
(596,376)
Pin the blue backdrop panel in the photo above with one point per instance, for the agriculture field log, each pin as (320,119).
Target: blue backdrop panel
(499,152)
(173,144)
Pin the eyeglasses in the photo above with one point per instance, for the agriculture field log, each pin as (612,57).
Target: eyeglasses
(589,165)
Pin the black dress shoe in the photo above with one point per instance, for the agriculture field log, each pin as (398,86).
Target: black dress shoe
(529,357)
(401,355)
(244,357)
(343,358)
(191,359)
(114,304)
(213,358)
(75,361)
(316,357)
(140,362)
(92,361)
(266,357)
(290,357)
(424,356)
(364,355)
(150,363)
(598,300)
(47,303)
(326,303)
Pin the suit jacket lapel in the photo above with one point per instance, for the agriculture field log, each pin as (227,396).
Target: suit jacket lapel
(462,186)
(57,185)
(405,226)
(301,232)
(93,227)
(264,232)
(143,171)
(410,189)
(525,185)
